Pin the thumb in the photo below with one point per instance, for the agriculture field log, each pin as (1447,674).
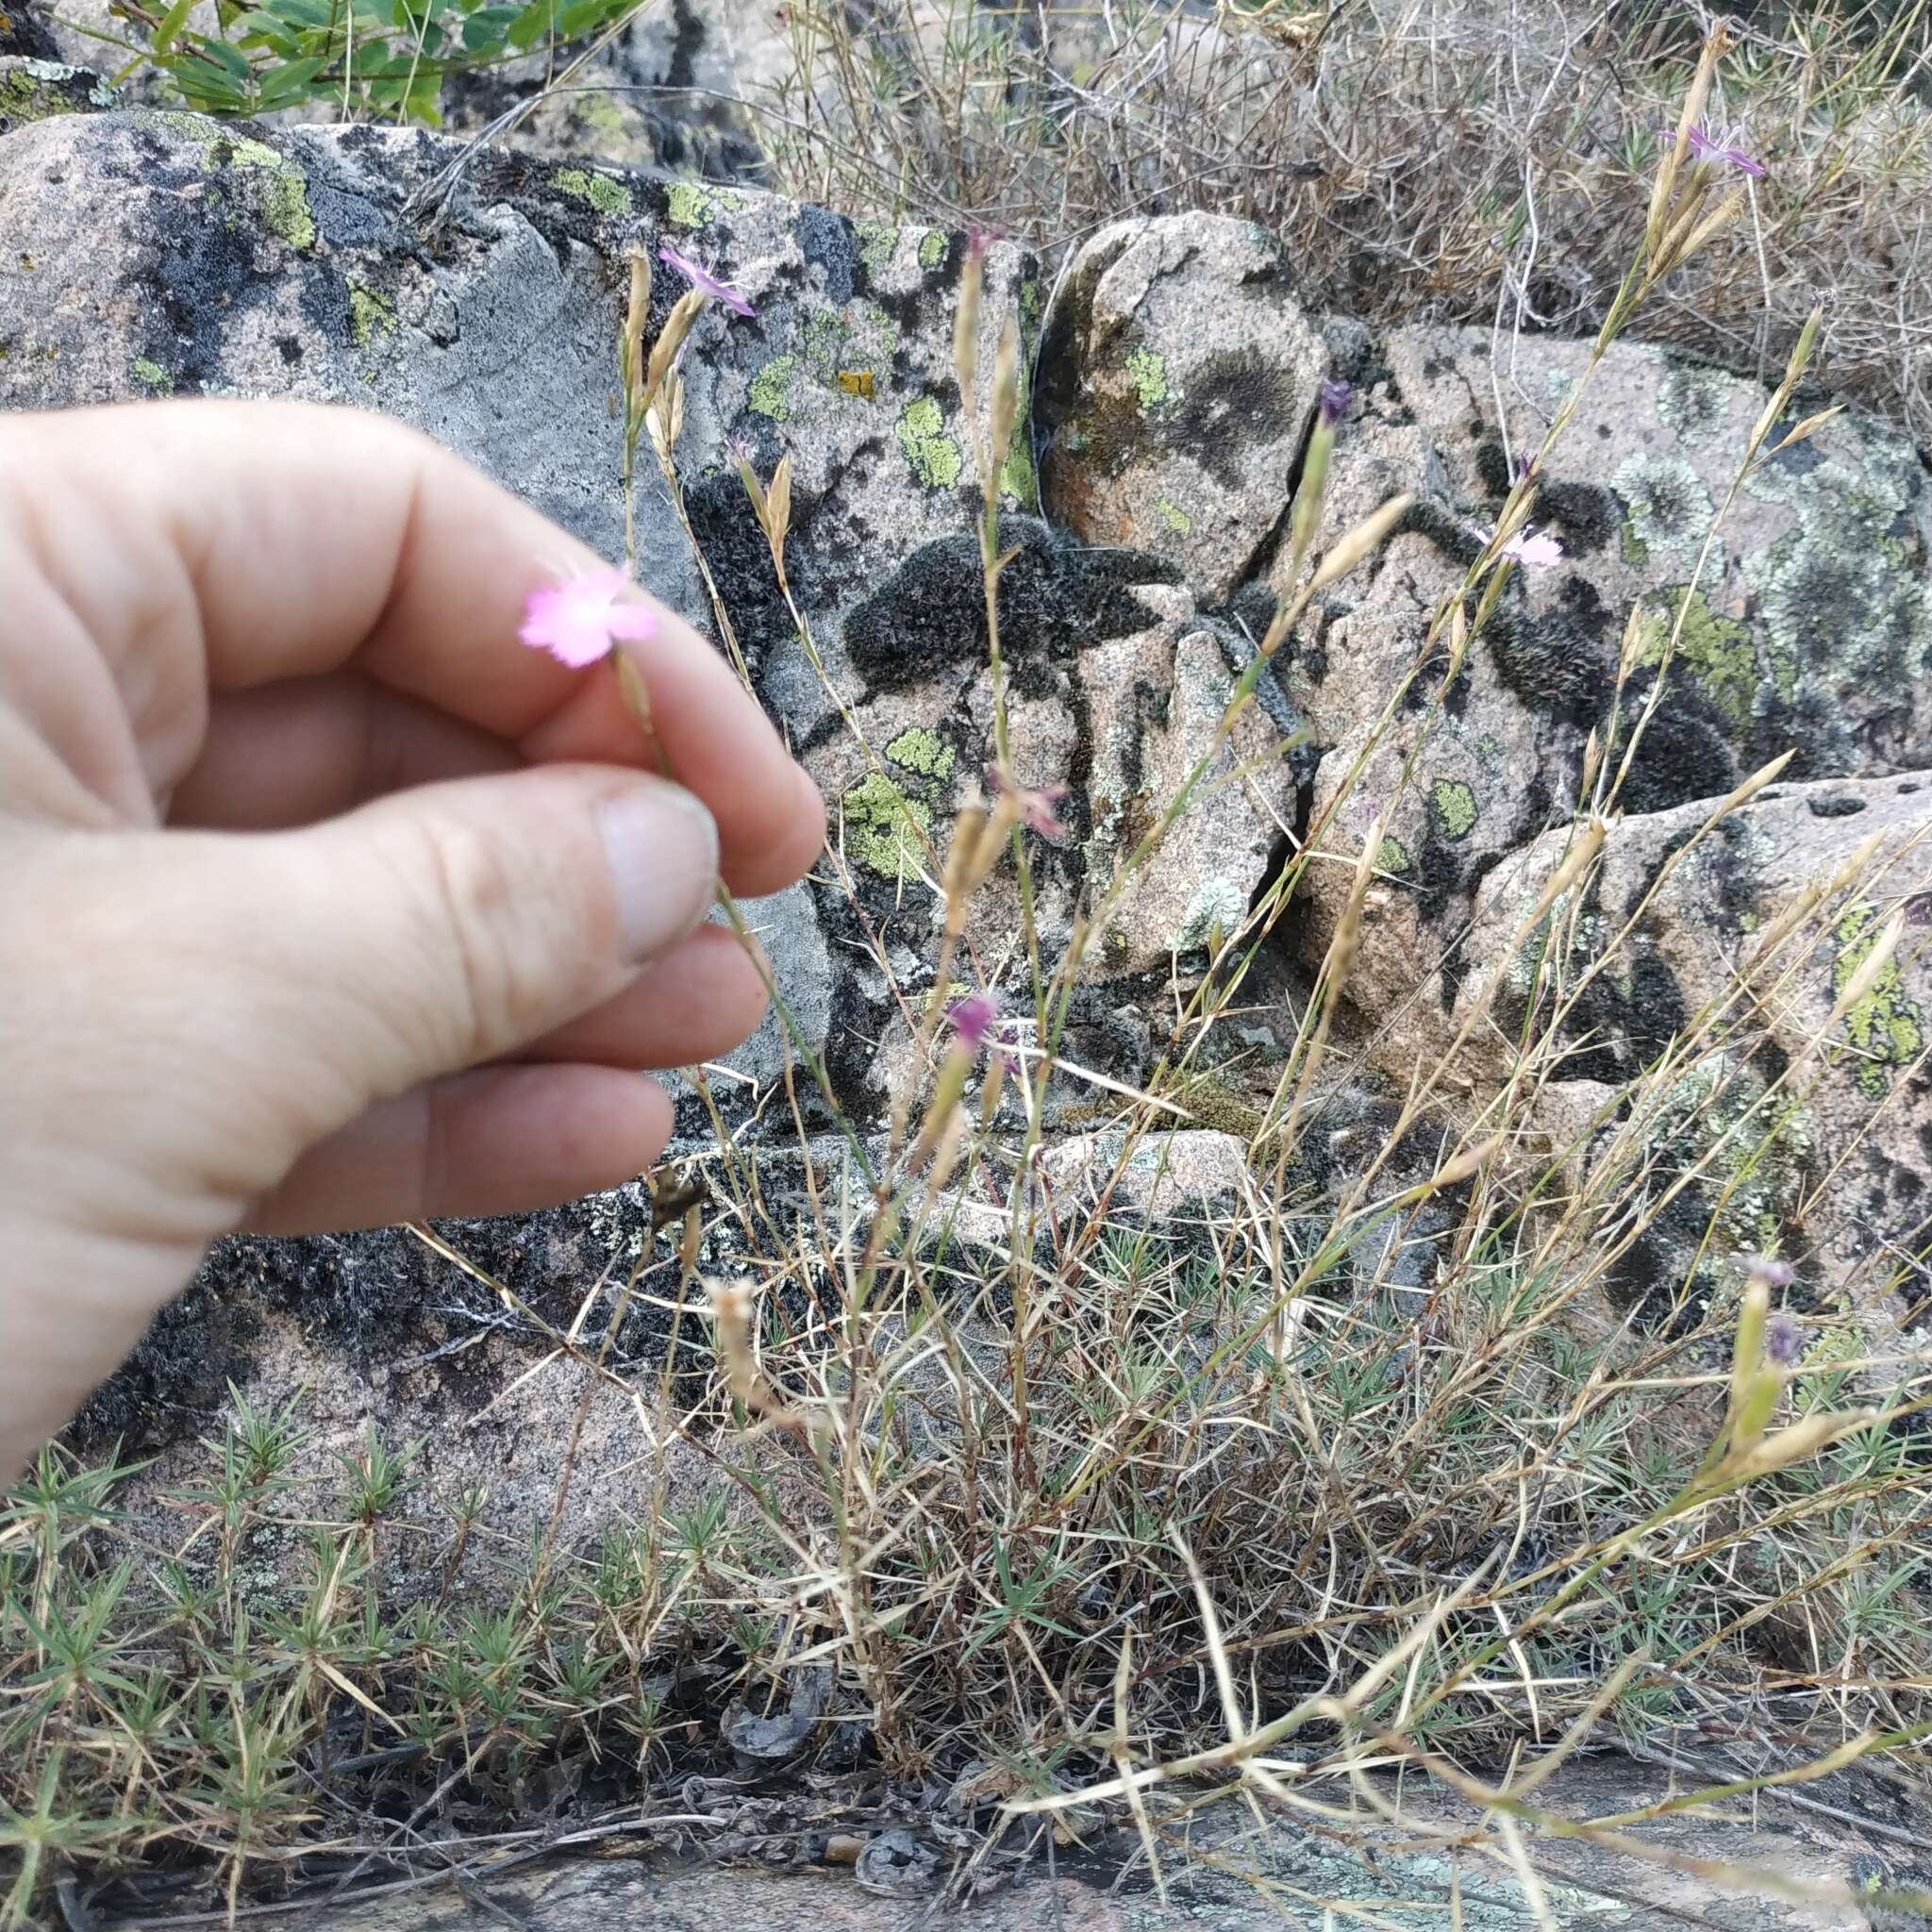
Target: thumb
(336,966)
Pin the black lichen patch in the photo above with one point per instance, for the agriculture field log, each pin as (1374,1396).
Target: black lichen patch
(1586,515)
(1236,400)
(1842,806)
(1556,660)
(1056,599)
(822,547)
(826,241)
(1685,754)
(201,272)
(374,1299)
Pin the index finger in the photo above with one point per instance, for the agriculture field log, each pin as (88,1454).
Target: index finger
(231,544)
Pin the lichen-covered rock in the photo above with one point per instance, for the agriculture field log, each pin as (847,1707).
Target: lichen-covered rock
(1811,621)
(1780,1099)
(1177,387)
(679,88)
(1154,706)
(31,90)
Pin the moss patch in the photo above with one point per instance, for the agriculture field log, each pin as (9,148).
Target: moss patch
(1886,1026)
(933,455)
(604,194)
(770,393)
(1453,806)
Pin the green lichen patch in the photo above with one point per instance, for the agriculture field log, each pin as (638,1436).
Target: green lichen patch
(879,331)
(923,751)
(1453,806)
(1667,507)
(877,241)
(1391,855)
(38,89)
(825,331)
(152,376)
(278,189)
(1147,372)
(932,249)
(606,196)
(372,315)
(597,113)
(1718,652)
(1885,1025)
(770,390)
(886,828)
(1173,515)
(689,203)
(934,456)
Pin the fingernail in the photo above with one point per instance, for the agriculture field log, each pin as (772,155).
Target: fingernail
(662,849)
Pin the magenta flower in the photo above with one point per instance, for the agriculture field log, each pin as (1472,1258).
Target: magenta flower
(702,278)
(1784,1341)
(577,621)
(1332,400)
(1036,807)
(976,1024)
(1721,148)
(974,1018)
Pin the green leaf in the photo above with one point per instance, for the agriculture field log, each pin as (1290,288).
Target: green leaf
(171,24)
(290,83)
(531,24)
(486,30)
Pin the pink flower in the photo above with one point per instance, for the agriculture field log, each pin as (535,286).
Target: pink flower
(1536,548)
(577,621)
(1720,148)
(1036,808)
(704,279)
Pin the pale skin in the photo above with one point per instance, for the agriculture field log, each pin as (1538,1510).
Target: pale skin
(323,902)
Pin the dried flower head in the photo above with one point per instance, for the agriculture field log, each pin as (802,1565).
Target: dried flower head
(705,281)
(1770,1270)
(578,619)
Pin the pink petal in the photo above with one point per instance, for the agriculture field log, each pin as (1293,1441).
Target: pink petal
(1536,548)
(631,620)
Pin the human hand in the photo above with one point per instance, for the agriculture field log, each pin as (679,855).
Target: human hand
(323,902)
